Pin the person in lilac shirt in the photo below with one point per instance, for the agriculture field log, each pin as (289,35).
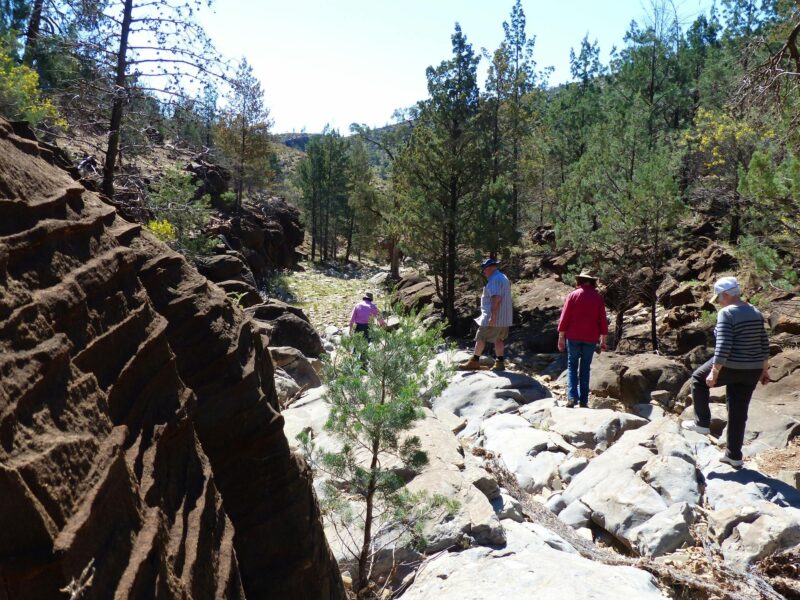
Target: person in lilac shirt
(363,313)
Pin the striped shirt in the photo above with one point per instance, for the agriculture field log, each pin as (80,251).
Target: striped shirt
(497,285)
(741,338)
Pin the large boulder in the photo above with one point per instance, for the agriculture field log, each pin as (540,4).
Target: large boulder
(226,267)
(632,378)
(538,307)
(241,293)
(784,316)
(288,326)
(298,367)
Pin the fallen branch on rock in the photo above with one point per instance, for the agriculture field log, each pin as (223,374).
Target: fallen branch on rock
(736,586)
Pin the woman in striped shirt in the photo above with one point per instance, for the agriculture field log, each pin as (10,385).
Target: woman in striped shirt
(741,360)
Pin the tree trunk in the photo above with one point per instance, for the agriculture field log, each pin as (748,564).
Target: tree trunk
(240,183)
(736,227)
(120,93)
(32,36)
(363,575)
(349,238)
(313,225)
(394,259)
(450,281)
(618,327)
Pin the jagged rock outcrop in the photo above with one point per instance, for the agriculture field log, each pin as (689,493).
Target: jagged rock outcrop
(265,233)
(141,451)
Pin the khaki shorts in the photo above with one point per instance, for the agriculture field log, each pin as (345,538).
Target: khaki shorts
(490,334)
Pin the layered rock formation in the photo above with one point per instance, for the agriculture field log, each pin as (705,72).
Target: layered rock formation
(141,449)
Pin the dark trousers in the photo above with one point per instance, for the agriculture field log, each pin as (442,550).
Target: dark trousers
(364,329)
(739,385)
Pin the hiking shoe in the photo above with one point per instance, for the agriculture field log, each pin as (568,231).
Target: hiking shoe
(692,426)
(473,364)
(499,365)
(571,403)
(731,461)
(585,405)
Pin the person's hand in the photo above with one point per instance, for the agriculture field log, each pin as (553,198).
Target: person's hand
(711,380)
(562,344)
(764,379)
(492,321)
(603,345)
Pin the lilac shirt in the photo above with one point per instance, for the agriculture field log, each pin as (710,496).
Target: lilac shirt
(362,313)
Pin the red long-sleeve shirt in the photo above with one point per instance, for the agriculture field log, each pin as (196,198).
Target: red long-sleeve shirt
(583,318)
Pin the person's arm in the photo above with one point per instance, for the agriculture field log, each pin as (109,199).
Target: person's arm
(563,323)
(353,318)
(496,301)
(376,314)
(603,325)
(723,346)
(764,379)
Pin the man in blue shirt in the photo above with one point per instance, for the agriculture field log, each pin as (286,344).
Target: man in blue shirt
(496,316)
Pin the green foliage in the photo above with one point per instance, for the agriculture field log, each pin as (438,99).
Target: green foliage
(243,133)
(708,317)
(20,96)
(773,189)
(235,298)
(180,213)
(375,395)
(323,178)
(440,172)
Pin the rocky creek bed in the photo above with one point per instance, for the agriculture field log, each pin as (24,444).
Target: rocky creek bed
(608,502)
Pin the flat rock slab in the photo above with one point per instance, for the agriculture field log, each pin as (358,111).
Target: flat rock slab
(590,428)
(529,567)
(477,395)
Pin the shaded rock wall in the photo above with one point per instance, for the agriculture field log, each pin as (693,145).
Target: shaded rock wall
(141,453)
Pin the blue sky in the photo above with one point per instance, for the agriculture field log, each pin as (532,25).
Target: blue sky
(342,61)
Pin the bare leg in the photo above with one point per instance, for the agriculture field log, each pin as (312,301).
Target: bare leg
(499,348)
(479,345)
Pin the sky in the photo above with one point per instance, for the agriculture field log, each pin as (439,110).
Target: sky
(336,62)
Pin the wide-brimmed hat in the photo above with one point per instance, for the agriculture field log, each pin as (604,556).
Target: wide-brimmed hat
(724,284)
(586,275)
(368,296)
(489,262)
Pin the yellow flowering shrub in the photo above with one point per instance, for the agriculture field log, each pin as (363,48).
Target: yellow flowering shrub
(20,97)
(163,230)
(720,137)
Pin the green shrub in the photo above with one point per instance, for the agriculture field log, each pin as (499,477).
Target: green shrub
(174,203)
(708,317)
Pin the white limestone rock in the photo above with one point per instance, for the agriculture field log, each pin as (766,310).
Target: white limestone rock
(664,532)
(673,478)
(528,567)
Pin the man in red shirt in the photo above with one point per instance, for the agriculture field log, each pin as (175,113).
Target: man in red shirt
(583,322)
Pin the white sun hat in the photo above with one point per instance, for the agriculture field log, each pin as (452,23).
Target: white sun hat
(724,284)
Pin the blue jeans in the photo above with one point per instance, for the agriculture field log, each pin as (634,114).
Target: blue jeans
(579,361)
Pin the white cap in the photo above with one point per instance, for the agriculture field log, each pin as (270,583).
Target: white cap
(724,284)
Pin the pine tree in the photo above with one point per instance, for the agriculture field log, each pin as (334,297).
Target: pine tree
(375,394)
(243,133)
(441,171)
